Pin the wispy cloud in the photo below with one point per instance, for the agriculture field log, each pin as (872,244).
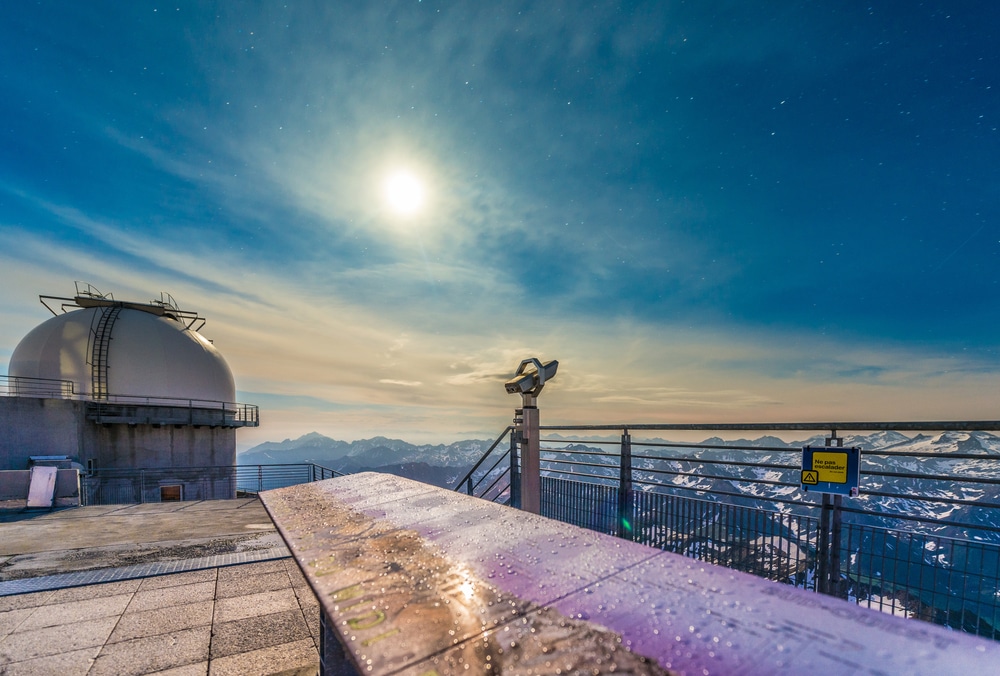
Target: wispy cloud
(605,189)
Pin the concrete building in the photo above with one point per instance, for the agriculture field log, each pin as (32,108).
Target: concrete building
(119,386)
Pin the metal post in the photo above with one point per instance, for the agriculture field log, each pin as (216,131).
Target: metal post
(835,581)
(625,488)
(515,470)
(835,528)
(828,551)
(823,547)
(531,471)
(333,660)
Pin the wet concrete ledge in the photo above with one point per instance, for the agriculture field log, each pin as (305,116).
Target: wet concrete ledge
(421,581)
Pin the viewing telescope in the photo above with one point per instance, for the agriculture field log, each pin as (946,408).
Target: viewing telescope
(530,383)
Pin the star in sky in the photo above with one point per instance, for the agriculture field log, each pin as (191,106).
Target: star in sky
(740,211)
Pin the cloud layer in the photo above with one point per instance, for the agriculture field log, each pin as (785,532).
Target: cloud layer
(703,216)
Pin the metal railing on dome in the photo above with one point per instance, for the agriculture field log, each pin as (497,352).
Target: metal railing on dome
(12,386)
(922,539)
(133,410)
(167,411)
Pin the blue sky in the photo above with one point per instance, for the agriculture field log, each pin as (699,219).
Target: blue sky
(706,211)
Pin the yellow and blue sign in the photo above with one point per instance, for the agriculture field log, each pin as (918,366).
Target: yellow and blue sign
(828,469)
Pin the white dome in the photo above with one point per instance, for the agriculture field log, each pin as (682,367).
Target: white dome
(148,356)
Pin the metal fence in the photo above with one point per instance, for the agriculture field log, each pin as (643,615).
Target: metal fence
(129,409)
(921,540)
(131,486)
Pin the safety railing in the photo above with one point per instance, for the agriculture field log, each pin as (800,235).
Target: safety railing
(165,484)
(37,388)
(163,411)
(129,409)
(922,539)
(490,477)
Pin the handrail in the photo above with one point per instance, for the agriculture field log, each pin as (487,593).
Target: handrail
(16,386)
(493,446)
(854,426)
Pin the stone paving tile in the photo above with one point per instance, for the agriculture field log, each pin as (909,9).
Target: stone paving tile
(258,632)
(177,579)
(28,645)
(295,573)
(71,663)
(24,600)
(266,621)
(12,619)
(171,596)
(162,621)
(94,591)
(218,505)
(312,621)
(297,657)
(71,612)
(154,653)
(241,572)
(199,669)
(252,583)
(150,508)
(265,603)
(306,597)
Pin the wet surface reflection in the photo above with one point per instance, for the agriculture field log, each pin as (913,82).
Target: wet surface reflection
(425,582)
(399,602)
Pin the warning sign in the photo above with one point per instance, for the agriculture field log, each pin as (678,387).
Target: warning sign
(831,470)
(831,466)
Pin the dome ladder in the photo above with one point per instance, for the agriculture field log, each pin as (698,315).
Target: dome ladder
(99,355)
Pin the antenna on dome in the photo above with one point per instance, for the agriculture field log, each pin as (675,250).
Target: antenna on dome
(84,291)
(87,290)
(166,301)
(88,295)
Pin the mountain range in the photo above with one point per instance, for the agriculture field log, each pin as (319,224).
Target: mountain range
(445,464)
(437,464)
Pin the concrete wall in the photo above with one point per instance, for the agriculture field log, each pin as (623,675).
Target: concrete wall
(122,446)
(34,426)
(14,485)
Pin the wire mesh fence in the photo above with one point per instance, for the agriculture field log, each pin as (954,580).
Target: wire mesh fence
(922,539)
(130,486)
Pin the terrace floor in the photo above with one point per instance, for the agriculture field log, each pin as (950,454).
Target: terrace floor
(173,588)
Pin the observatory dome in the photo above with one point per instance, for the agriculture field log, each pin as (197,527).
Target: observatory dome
(147,355)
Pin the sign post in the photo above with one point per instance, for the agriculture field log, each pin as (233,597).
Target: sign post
(834,471)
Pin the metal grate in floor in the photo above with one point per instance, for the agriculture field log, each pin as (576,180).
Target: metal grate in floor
(88,577)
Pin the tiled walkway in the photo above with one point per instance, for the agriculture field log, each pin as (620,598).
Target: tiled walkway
(102,575)
(255,618)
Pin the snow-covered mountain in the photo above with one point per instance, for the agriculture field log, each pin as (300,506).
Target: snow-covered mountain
(706,468)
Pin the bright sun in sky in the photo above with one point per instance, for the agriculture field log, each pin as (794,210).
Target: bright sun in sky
(403,193)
